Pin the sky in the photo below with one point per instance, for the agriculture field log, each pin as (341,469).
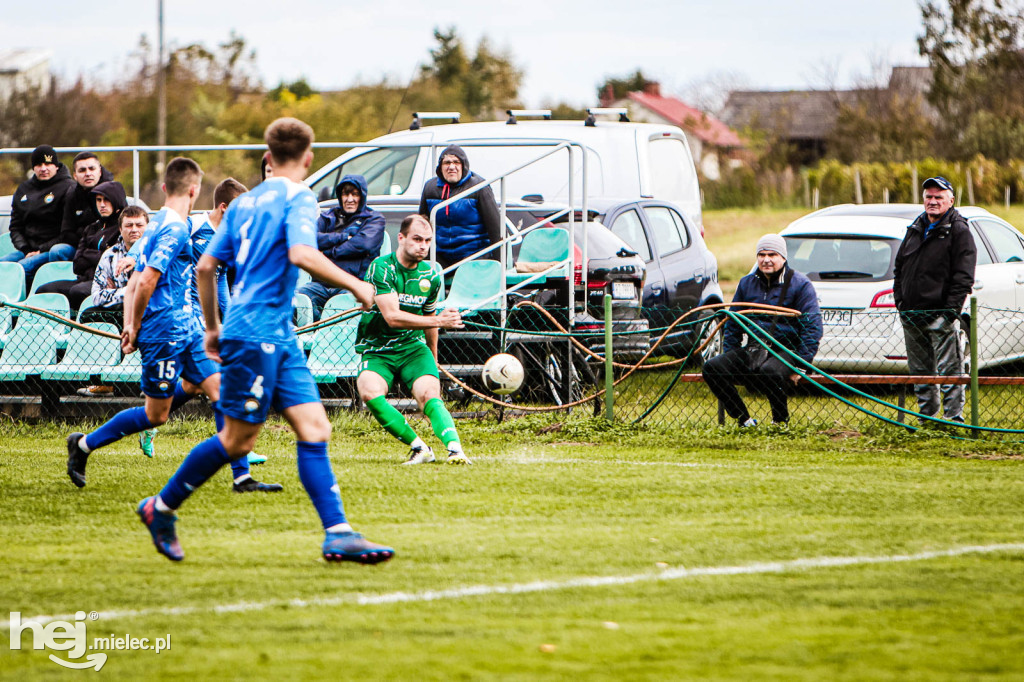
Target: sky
(565,47)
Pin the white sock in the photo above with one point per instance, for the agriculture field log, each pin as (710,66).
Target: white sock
(162,507)
(455,446)
(340,528)
(417,444)
(243,477)
(82,446)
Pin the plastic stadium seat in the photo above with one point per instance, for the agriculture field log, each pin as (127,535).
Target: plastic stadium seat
(87,303)
(87,355)
(12,281)
(54,303)
(475,282)
(304,278)
(53,272)
(6,324)
(6,245)
(339,303)
(385,246)
(29,350)
(333,355)
(302,312)
(128,370)
(542,245)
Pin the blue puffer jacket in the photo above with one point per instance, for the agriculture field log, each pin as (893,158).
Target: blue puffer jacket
(799,334)
(468,225)
(351,240)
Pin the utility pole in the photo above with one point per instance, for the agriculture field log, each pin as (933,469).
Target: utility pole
(161,92)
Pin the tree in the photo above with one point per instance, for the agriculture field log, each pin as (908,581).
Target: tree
(613,88)
(484,84)
(975,51)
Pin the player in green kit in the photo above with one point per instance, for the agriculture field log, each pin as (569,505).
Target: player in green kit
(398,340)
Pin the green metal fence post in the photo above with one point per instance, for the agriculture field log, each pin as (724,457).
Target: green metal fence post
(973,336)
(609,368)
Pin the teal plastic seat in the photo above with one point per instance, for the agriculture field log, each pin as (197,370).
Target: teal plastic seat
(129,370)
(334,355)
(87,355)
(302,313)
(86,304)
(339,303)
(474,283)
(6,245)
(54,303)
(385,247)
(53,272)
(12,281)
(542,245)
(304,279)
(29,350)
(6,324)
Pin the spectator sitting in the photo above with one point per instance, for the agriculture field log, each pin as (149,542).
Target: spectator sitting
(110,201)
(37,209)
(471,223)
(80,203)
(350,235)
(108,285)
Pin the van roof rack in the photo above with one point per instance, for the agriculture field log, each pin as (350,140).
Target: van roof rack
(592,112)
(419,116)
(514,113)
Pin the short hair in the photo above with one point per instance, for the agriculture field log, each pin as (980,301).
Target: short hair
(288,139)
(83,156)
(227,191)
(408,221)
(181,173)
(132,212)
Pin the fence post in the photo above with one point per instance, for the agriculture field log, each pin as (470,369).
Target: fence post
(1006,195)
(975,419)
(970,187)
(857,189)
(914,183)
(609,367)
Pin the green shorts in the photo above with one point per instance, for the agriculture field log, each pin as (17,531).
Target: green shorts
(407,364)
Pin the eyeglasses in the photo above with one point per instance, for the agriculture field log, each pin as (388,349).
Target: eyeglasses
(451,163)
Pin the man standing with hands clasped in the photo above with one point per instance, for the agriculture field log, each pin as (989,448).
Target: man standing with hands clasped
(934,273)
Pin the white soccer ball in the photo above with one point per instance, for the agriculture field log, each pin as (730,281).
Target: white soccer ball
(503,374)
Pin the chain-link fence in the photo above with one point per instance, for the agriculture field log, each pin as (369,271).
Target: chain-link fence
(53,367)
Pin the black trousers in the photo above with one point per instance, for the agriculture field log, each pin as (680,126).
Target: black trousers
(723,372)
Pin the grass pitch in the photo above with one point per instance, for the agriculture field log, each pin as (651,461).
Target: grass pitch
(490,579)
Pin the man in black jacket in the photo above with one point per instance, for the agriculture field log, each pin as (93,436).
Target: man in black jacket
(934,274)
(80,203)
(37,209)
(110,200)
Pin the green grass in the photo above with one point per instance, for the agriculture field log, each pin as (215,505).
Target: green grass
(548,499)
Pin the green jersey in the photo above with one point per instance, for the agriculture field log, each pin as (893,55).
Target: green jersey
(417,290)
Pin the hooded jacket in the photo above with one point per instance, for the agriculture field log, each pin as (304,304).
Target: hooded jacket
(468,225)
(80,209)
(799,334)
(37,209)
(937,272)
(351,240)
(100,235)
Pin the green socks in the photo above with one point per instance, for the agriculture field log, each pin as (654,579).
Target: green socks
(441,421)
(393,421)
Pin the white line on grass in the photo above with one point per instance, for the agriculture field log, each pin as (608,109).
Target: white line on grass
(548,585)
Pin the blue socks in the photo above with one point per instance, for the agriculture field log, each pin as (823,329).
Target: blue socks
(318,480)
(124,423)
(200,464)
(180,397)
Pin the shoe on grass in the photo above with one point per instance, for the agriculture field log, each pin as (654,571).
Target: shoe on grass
(255,459)
(77,458)
(146,442)
(251,485)
(161,528)
(457,458)
(420,455)
(351,546)
(747,423)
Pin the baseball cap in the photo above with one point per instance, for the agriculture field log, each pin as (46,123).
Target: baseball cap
(938,181)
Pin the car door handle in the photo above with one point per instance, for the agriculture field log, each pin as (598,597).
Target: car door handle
(978,284)
(1020,279)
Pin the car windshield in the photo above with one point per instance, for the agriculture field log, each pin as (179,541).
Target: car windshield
(842,257)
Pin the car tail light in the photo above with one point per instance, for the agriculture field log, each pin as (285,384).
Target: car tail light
(577,267)
(590,327)
(884,299)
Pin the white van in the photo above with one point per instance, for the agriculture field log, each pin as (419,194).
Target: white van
(625,160)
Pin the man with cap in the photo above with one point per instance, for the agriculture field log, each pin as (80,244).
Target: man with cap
(467,225)
(37,209)
(934,274)
(350,235)
(772,283)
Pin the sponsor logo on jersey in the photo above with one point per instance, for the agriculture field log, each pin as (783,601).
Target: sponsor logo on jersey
(424,285)
(409,299)
(48,199)
(251,405)
(268,348)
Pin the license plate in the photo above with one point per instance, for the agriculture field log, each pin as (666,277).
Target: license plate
(623,290)
(837,317)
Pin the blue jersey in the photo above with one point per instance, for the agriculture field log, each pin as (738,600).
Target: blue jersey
(254,236)
(202,233)
(168,315)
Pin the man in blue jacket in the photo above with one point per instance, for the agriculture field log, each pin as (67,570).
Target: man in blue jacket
(350,235)
(772,283)
(467,225)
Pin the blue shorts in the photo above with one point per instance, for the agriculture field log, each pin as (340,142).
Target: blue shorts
(165,361)
(256,376)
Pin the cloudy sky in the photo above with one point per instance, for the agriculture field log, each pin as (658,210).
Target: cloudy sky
(565,47)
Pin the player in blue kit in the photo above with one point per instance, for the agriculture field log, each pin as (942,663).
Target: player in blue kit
(265,234)
(159,320)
